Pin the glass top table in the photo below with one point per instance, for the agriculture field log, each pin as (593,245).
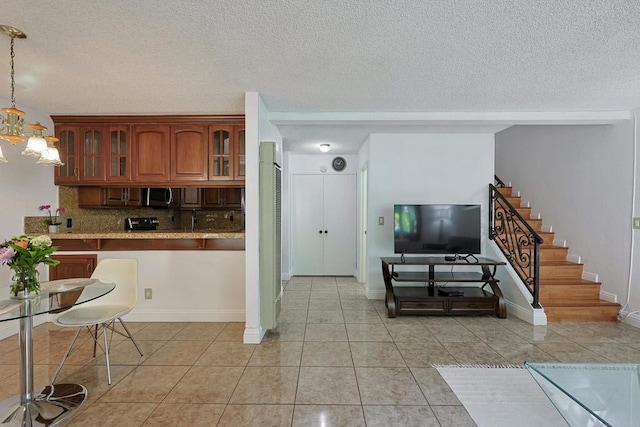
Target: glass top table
(592,394)
(53,403)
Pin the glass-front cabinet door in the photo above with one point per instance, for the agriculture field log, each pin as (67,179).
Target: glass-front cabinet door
(119,157)
(239,155)
(220,153)
(69,172)
(92,155)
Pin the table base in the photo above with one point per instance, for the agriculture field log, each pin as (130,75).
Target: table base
(52,405)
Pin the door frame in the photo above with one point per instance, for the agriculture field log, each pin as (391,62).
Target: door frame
(362,226)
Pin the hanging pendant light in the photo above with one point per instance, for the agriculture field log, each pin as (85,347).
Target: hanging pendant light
(36,144)
(50,156)
(12,122)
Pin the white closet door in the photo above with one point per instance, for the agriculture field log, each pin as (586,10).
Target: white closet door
(307,241)
(339,224)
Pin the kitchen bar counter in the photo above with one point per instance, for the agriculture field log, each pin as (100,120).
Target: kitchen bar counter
(148,240)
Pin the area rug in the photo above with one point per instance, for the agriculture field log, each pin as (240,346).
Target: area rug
(501,396)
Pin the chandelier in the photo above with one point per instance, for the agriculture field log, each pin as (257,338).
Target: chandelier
(12,121)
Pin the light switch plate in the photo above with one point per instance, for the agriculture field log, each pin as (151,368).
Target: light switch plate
(380,220)
(147,293)
(636,223)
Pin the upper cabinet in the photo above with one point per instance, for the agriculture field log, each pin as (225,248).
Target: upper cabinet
(151,150)
(119,153)
(189,153)
(82,150)
(226,153)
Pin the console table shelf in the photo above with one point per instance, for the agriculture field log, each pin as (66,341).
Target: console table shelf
(439,295)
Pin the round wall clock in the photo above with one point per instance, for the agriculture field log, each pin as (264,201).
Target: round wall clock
(338,164)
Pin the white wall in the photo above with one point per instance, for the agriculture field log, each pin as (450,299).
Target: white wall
(188,286)
(422,169)
(580,179)
(258,128)
(306,164)
(24,185)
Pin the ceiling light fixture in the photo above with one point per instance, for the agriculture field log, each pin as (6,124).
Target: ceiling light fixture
(325,148)
(12,121)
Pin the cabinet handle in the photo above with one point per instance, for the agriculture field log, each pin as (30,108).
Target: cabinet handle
(325,231)
(320,231)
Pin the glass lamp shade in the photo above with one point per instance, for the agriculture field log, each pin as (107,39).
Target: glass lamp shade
(325,148)
(35,146)
(50,156)
(2,158)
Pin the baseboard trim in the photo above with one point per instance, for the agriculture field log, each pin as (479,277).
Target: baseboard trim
(535,316)
(633,320)
(253,335)
(574,258)
(560,242)
(376,294)
(589,277)
(187,316)
(608,296)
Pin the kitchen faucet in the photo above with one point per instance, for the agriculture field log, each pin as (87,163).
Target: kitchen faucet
(193,219)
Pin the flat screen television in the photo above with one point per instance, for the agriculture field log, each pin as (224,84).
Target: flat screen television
(436,229)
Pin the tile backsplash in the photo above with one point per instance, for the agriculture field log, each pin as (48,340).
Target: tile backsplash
(112,220)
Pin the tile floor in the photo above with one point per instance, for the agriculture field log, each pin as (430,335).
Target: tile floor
(335,360)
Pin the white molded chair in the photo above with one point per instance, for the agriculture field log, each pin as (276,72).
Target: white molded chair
(104,311)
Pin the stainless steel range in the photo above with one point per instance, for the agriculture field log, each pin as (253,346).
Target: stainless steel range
(144,223)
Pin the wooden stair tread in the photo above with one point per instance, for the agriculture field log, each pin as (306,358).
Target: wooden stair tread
(572,282)
(599,303)
(557,263)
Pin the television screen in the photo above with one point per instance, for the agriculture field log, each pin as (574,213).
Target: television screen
(436,229)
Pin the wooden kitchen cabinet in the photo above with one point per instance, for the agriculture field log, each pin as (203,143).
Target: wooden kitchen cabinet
(190,198)
(82,150)
(122,197)
(114,197)
(151,153)
(119,153)
(230,198)
(189,151)
(239,154)
(73,266)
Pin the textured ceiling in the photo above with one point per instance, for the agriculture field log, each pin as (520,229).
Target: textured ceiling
(200,56)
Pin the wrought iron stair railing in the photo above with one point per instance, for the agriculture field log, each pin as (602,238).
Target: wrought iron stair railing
(517,240)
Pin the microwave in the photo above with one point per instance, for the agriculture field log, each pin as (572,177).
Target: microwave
(157,197)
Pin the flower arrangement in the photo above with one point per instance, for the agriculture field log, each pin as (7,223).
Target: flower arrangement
(53,217)
(23,254)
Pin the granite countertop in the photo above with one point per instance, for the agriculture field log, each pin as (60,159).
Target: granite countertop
(157,234)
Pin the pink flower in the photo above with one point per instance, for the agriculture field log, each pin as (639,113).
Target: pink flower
(6,254)
(61,210)
(44,207)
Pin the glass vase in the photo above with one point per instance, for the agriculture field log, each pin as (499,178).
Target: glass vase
(25,282)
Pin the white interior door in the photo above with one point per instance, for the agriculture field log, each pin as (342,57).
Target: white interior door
(308,232)
(339,225)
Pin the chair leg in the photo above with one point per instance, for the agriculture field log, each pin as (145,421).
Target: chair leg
(131,336)
(106,352)
(55,375)
(95,340)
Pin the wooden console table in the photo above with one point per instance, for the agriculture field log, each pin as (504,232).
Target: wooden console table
(437,296)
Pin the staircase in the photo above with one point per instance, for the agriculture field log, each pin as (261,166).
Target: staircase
(563,293)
